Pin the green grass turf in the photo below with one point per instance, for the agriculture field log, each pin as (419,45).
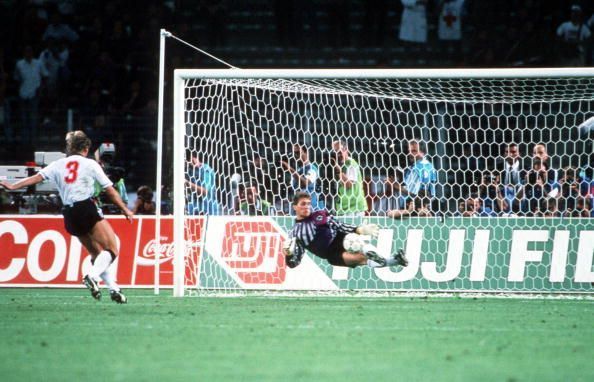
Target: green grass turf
(64,335)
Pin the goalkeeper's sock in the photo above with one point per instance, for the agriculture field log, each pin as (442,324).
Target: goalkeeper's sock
(373,256)
(102,262)
(373,264)
(109,280)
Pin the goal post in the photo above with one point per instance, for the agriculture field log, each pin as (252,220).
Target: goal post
(474,224)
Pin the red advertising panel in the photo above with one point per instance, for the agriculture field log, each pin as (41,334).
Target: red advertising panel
(252,249)
(37,251)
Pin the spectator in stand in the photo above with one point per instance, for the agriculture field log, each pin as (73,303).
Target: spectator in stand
(29,73)
(268,180)
(304,178)
(514,166)
(119,41)
(252,205)
(375,194)
(388,198)
(550,208)
(136,98)
(504,206)
(449,28)
(102,75)
(55,62)
(536,187)
(413,24)
(58,30)
(201,187)
(513,172)
(419,206)
(573,36)
(572,186)
(490,189)
(540,151)
(351,197)
(583,207)
(144,204)
(572,182)
(473,207)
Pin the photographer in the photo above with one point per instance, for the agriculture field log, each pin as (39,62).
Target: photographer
(251,204)
(105,155)
(144,204)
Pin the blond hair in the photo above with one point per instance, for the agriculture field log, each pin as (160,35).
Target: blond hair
(76,142)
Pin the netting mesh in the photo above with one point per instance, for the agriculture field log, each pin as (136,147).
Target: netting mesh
(508,153)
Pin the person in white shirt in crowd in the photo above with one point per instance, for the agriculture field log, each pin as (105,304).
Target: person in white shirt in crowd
(449,28)
(573,35)
(413,24)
(74,177)
(54,60)
(29,73)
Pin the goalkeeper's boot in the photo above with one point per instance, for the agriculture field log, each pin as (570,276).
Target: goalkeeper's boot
(118,296)
(400,258)
(374,256)
(92,286)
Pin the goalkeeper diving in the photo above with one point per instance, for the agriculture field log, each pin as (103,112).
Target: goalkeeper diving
(339,243)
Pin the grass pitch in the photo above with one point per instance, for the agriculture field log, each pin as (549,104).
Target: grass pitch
(64,335)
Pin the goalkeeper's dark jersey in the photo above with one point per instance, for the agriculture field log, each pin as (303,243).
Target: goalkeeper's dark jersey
(317,234)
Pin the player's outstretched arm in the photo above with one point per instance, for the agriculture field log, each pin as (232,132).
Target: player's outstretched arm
(293,252)
(113,195)
(30,181)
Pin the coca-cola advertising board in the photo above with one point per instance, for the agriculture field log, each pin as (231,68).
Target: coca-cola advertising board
(37,251)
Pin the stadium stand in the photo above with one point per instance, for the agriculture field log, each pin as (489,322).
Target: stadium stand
(106,82)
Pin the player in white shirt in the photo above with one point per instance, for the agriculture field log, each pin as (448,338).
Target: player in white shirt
(75,176)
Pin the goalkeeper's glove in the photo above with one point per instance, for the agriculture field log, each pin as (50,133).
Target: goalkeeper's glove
(289,247)
(368,229)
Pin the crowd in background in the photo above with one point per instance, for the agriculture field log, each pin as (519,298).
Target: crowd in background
(93,66)
(523,184)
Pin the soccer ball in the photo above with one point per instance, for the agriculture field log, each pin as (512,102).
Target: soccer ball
(353,243)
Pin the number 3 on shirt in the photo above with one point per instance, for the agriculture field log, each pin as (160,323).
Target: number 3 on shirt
(72,172)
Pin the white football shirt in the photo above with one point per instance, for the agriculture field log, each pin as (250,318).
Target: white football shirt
(75,177)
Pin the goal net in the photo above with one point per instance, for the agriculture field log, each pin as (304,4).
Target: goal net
(484,177)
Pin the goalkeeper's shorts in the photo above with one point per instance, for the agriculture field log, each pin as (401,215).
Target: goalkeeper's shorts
(334,253)
(81,217)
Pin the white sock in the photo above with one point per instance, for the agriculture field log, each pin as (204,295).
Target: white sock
(373,264)
(102,262)
(390,261)
(370,248)
(109,280)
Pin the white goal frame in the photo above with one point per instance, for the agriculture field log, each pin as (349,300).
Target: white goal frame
(180,75)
